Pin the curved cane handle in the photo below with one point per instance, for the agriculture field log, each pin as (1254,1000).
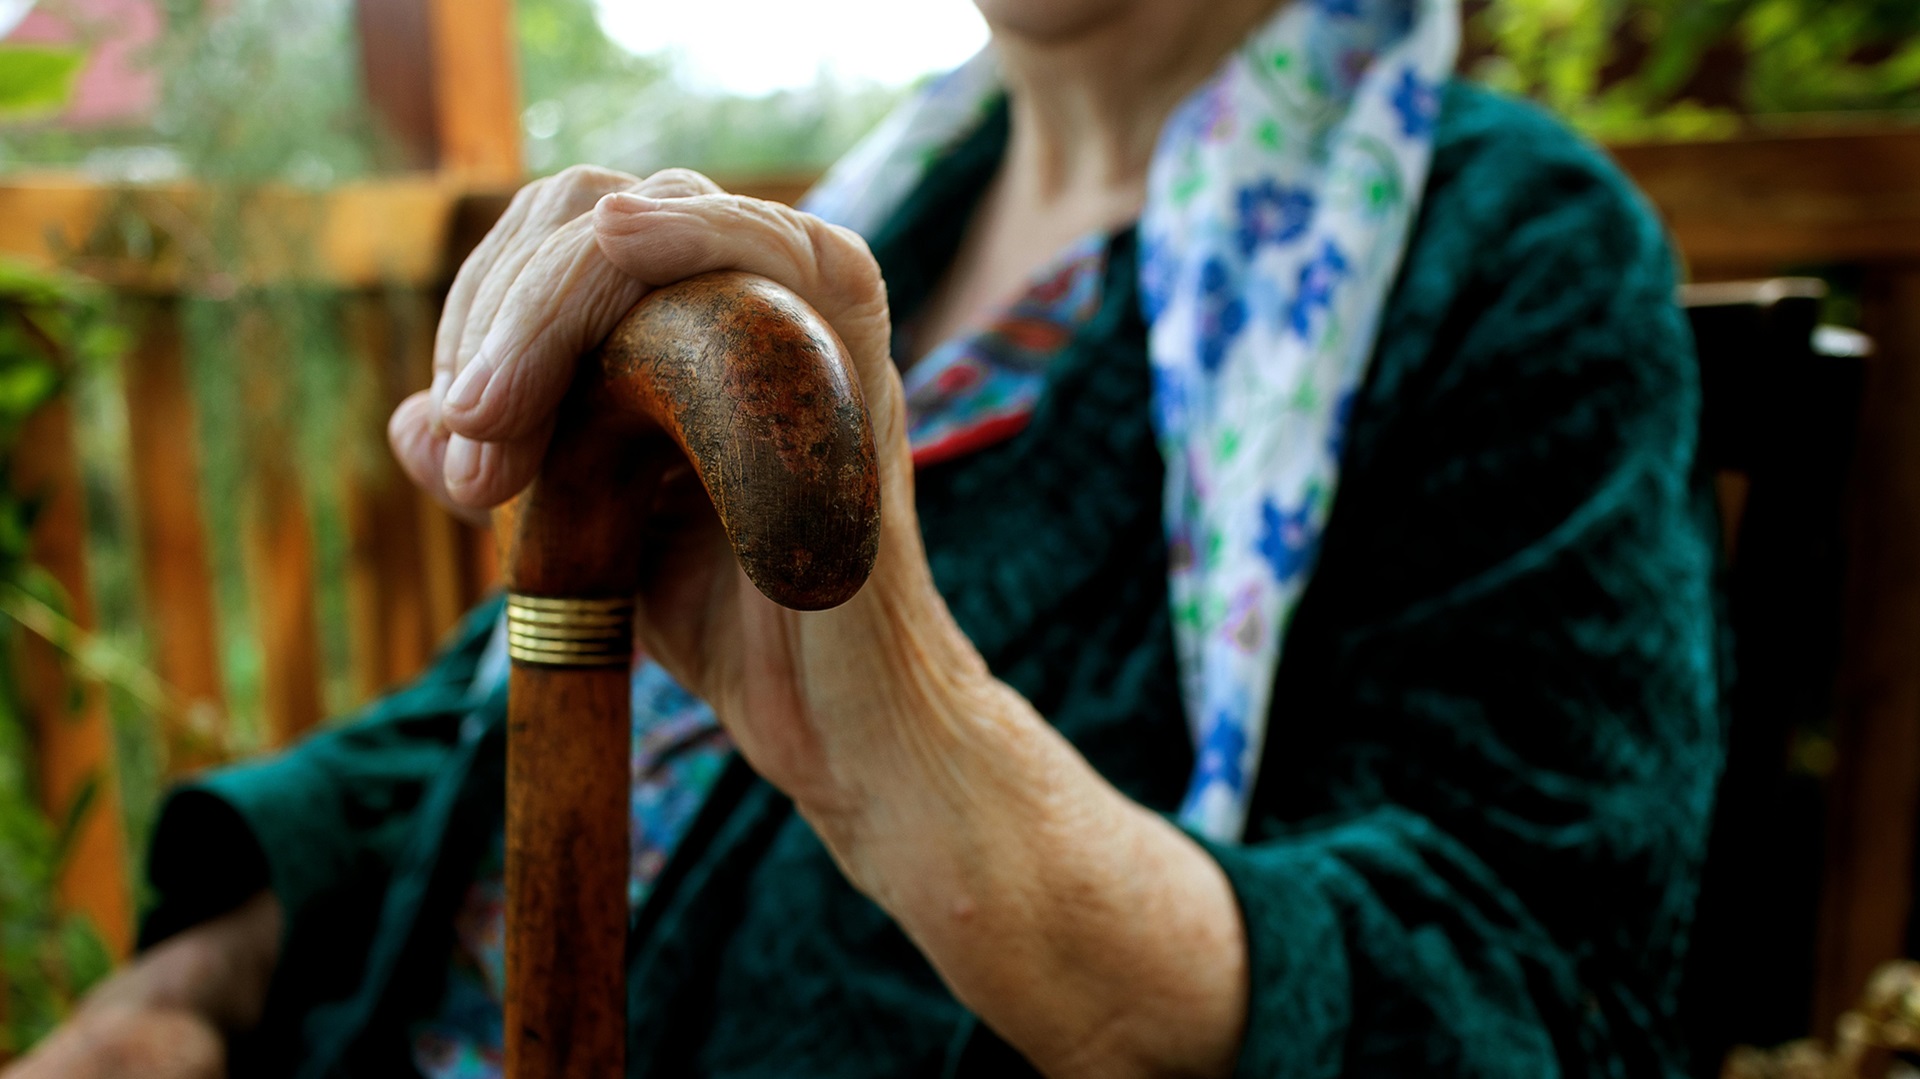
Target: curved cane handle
(740,377)
(745,381)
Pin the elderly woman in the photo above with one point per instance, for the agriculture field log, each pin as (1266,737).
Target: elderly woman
(1290,651)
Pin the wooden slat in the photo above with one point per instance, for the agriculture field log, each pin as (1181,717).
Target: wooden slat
(395,47)
(476,89)
(408,232)
(176,582)
(390,632)
(72,737)
(443,77)
(482,562)
(442,537)
(1790,199)
(277,543)
(1875,794)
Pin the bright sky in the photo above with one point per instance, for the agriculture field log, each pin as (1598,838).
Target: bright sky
(758,46)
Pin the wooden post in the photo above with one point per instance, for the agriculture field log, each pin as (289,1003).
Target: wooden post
(389,615)
(1875,793)
(395,42)
(175,580)
(443,74)
(73,740)
(408,558)
(277,542)
(445,555)
(477,89)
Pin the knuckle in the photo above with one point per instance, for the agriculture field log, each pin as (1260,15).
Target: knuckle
(590,178)
(678,181)
(524,198)
(793,231)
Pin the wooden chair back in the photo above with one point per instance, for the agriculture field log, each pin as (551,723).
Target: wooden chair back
(1780,397)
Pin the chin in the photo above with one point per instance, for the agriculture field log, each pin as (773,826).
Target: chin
(1053,20)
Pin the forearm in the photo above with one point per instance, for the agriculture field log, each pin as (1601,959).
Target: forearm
(1092,935)
(218,970)
(169,1013)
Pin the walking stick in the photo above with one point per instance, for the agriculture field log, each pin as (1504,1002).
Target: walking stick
(738,376)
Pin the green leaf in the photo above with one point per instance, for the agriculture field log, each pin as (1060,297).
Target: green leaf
(37,78)
(75,816)
(83,954)
(26,386)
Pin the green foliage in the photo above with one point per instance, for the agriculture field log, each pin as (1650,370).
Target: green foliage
(259,90)
(251,91)
(1625,69)
(37,79)
(49,956)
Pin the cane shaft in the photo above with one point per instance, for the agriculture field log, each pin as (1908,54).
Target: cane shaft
(568,743)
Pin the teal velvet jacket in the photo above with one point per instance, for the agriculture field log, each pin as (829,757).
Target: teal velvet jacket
(1483,802)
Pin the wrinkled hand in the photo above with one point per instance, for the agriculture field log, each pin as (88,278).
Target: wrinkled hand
(570,257)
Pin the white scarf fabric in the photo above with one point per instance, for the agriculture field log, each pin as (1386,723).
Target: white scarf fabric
(1279,204)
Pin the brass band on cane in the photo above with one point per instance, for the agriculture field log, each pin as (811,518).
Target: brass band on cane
(554,631)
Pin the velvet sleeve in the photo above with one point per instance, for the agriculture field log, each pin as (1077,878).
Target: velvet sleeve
(321,824)
(1492,754)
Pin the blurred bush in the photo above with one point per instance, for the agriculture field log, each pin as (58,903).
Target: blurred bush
(47,956)
(1631,69)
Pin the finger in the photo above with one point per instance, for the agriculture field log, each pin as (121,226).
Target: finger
(420,446)
(551,251)
(675,184)
(546,205)
(473,270)
(481,475)
(565,301)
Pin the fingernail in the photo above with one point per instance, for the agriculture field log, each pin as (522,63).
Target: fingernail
(626,202)
(462,466)
(467,390)
(438,391)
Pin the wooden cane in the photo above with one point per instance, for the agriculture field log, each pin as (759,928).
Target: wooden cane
(739,377)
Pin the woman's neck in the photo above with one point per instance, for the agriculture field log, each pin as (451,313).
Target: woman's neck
(1088,97)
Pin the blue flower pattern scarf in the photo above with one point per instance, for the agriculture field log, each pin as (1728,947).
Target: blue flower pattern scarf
(1279,203)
